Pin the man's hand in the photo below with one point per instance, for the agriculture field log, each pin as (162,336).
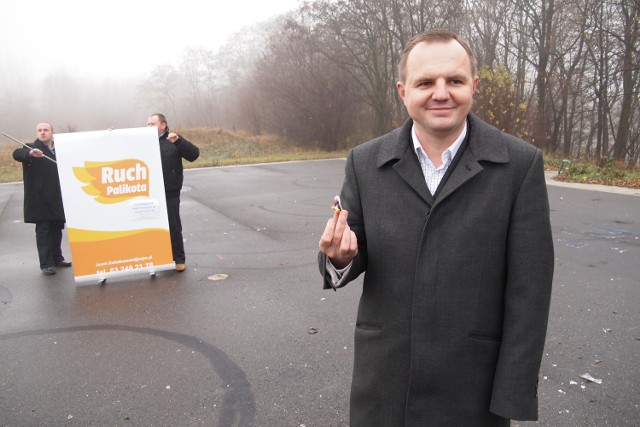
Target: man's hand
(172,137)
(338,242)
(35,152)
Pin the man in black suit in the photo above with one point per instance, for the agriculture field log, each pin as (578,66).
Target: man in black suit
(43,197)
(173,148)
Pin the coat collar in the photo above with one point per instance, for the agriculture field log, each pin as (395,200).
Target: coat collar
(486,143)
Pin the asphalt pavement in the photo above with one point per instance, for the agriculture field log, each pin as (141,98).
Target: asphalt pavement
(247,337)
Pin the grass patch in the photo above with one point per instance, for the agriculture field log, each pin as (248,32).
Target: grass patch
(218,147)
(221,147)
(10,170)
(604,172)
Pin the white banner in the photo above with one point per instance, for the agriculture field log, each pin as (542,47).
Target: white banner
(114,202)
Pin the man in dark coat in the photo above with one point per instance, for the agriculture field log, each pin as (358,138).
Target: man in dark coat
(43,197)
(173,148)
(448,218)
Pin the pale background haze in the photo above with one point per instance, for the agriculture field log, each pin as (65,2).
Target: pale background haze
(118,38)
(83,65)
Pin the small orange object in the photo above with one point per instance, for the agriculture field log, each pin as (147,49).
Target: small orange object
(337,206)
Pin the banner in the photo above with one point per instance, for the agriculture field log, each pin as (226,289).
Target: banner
(114,202)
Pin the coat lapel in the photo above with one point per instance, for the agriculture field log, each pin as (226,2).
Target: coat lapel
(398,148)
(485,144)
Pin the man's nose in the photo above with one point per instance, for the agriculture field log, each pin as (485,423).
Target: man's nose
(440,90)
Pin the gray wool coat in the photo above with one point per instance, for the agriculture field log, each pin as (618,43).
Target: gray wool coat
(452,319)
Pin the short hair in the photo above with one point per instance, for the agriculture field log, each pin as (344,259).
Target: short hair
(46,123)
(435,35)
(161,118)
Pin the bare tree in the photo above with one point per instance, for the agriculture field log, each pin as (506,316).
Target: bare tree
(489,28)
(62,100)
(198,71)
(564,74)
(350,35)
(309,95)
(17,99)
(160,91)
(239,87)
(629,38)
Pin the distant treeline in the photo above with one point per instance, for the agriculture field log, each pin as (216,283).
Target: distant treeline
(563,74)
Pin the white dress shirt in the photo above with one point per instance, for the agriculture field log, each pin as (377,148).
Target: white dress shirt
(432,174)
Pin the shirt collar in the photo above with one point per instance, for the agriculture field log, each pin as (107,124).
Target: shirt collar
(447,154)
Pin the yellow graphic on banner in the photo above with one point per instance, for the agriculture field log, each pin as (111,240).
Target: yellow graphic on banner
(96,252)
(114,181)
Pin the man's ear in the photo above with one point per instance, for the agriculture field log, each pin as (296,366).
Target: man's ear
(476,80)
(400,87)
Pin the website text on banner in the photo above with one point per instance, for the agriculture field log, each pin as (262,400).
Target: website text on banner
(113,195)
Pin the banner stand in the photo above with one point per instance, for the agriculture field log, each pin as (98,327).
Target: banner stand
(102,278)
(114,202)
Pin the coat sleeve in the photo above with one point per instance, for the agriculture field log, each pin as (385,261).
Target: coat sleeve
(22,155)
(188,151)
(350,197)
(530,266)
(322,265)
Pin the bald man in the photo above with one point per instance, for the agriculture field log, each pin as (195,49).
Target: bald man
(43,197)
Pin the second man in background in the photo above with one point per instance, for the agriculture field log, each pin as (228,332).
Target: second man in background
(173,148)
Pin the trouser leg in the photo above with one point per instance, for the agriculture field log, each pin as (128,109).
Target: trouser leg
(56,228)
(175,230)
(43,242)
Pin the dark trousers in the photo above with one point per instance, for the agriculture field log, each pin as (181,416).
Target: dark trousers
(49,241)
(175,229)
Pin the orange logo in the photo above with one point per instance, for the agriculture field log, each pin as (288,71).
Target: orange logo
(116,181)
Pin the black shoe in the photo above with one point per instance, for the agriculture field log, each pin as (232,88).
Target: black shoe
(48,271)
(63,263)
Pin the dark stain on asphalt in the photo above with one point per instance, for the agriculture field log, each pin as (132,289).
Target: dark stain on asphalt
(5,298)
(238,406)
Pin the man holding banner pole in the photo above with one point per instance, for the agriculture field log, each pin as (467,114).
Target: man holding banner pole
(43,198)
(173,148)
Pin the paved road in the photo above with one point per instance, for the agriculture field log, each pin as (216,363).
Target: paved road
(266,346)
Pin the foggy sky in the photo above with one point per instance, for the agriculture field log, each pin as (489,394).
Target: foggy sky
(109,47)
(118,38)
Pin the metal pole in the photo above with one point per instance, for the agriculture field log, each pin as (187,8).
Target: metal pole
(26,146)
